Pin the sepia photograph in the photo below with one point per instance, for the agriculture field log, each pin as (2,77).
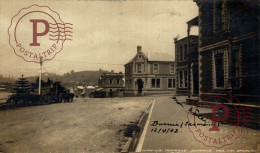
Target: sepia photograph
(94,76)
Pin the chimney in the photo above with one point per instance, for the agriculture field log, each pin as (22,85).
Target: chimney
(139,48)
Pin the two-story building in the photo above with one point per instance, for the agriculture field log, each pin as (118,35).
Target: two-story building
(229,55)
(150,73)
(112,82)
(186,53)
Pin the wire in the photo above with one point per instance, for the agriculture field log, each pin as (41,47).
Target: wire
(86,62)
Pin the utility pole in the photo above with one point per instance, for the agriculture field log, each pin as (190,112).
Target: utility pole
(40,78)
(56,86)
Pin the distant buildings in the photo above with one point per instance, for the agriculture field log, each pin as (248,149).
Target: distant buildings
(150,74)
(5,86)
(229,48)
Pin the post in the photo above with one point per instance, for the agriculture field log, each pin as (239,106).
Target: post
(56,86)
(189,66)
(40,78)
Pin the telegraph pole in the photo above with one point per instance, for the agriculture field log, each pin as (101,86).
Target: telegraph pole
(40,78)
(56,86)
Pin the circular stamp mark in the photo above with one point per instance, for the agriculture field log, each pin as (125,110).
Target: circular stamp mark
(38,32)
(223,123)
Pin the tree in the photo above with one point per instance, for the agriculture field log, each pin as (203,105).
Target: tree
(21,86)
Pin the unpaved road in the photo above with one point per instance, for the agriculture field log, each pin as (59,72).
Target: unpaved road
(86,125)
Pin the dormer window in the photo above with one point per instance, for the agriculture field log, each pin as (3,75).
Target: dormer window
(139,56)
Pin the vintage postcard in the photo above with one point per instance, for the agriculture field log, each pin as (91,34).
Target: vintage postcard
(178,76)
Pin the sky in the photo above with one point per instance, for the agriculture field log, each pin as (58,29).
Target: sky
(105,33)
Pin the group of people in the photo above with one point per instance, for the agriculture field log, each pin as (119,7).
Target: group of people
(66,97)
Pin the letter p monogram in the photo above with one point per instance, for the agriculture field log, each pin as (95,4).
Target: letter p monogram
(35,33)
(214,115)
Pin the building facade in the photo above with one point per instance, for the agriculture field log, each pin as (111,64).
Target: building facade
(229,48)
(186,53)
(150,73)
(112,82)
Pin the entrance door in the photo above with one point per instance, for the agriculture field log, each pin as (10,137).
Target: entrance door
(195,81)
(140,85)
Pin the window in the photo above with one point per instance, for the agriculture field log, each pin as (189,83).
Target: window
(181,54)
(156,68)
(185,52)
(219,69)
(118,81)
(220,16)
(153,83)
(171,83)
(156,83)
(180,79)
(185,78)
(172,68)
(139,68)
(139,56)
(110,81)
(224,16)
(236,69)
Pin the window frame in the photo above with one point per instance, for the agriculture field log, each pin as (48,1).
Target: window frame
(173,83)
(155,85)
(225,68)
(110,81)
(183,79)
(138,64)
(157,68)
(173,68)
(181,53)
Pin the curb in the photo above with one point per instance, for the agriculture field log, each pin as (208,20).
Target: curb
(132,142)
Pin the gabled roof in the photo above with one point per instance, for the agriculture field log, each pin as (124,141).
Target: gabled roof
(136,55)
(154,56)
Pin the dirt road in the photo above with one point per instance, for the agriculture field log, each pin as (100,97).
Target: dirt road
(86,125)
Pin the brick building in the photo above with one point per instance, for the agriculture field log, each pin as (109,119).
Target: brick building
(229,48)
(150,73)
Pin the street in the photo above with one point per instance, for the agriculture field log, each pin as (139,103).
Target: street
(86,125)
(97,125)
(177,139)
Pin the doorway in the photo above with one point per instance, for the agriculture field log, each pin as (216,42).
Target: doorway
(140,86)
(195,81)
